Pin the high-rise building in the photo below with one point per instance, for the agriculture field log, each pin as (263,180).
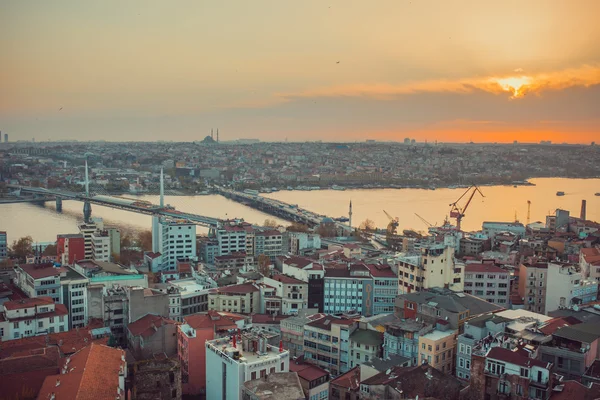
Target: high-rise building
(6,138)
(175,239)
(533,280)
(87,229)
(3,246)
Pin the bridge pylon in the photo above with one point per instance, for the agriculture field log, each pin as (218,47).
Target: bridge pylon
(59,204)
(87,211)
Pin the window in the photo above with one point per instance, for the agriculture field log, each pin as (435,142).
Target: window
(461,362)
(504,387)
(461,348)
(524,372)
(518,390)
(495,367)
(16,326)
(467,364)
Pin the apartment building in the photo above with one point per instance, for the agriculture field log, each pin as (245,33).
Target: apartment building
(32,317)
(243,298)
(436,303)
(348,288)
(488,281)
(231,238)
(385,288)
(532,286)
(299,243)
(292,331)
(589,261)
(269,243)
(41,280)
(101,246)
(306,270)
(326,343)
(365,345)
(232,361)
(491,229)
(190,297)
(567,287)
(435,267)
(175,240)
(3,246)
(502,373)
(70,248)
(437,347)
(87,229)
(475,329)
(75,297)
(401,338)
(191,338)
(293,292)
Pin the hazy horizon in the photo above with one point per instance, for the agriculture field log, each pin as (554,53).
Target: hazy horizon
(338,71)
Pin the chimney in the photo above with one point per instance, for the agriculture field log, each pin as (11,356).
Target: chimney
(234,342)
(583,209)
(57,382)
(281,346)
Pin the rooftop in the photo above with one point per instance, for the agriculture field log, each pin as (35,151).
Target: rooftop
(368,337)
(91,373)
(225,346)
(327,321)
(514,357)
(288,279)
(28,303)
(436,335)
(485,268)
(585,332)
(280,385)
(350,380)
(108,267)
(40,271)
(243,288)
(307,371)
(147,325)
(393,360)
(452,301)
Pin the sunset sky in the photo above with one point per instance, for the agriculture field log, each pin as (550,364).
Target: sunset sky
(340,70)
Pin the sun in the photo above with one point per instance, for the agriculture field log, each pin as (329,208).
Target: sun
(514,84)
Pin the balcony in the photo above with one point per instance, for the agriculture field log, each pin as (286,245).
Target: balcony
(543,384)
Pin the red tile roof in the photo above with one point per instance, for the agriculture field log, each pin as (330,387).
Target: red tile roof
(306,371)
(91,373)
(288,279)
(381,271)
(39,271)
(148,324)
(552,325)
(573,390)
(350,380)
(213,320)
(241,289)
(502,354)
(326,322)
(483,268)
(28,303)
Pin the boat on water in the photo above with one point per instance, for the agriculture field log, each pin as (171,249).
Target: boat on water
(597,194)
(342,219)
(560,193)
(336,187)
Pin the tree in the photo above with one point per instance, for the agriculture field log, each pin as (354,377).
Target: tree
(126,241)
(144,240)
(327,230)
(297,227)
(270,223)
(21,248)
(50,250)
(367,225)
(263,265)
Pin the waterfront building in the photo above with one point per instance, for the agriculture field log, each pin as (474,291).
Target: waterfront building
(175,240)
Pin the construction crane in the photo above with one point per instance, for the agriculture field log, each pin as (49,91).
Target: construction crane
(424,220)
(393,225)
(458,212)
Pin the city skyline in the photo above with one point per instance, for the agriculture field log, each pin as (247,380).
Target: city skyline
(341,71)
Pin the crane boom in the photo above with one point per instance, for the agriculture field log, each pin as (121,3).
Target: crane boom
(424,220)
(459,213)
(388,215)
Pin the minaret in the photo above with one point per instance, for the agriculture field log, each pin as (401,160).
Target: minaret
(350,215)
(87,180)
(211,133)
(162,189)
(217,135)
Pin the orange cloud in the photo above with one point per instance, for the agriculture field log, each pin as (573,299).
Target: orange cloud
(517,85)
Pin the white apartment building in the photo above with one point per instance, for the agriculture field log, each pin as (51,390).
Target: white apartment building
(186,297)
(565,287)
(589,262)
(435,267)
(31,317)
(232,238)
(293,292)
(175,239)
(231,362)
(491,229)
(75,297)
(87,230)
(269,243)
(101,249)
(488,281)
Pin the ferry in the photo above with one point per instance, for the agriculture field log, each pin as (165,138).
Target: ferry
(597,194)
(336,187)
(342,219)
(560,193)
